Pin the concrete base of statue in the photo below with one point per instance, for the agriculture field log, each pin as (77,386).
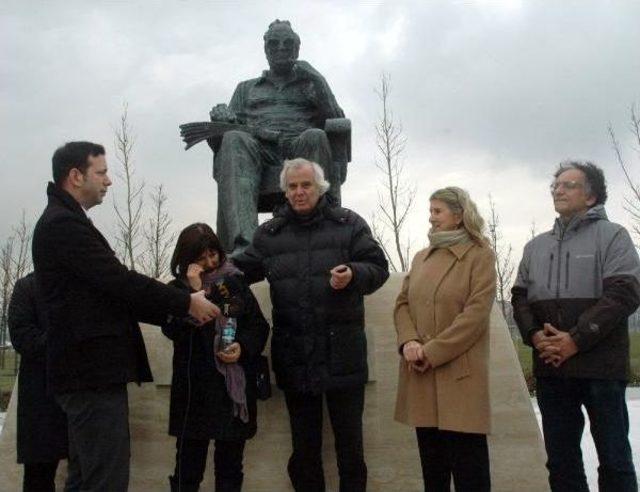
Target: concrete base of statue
(516,448)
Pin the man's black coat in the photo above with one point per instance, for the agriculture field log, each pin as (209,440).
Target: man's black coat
(318,340)
(42,426)
(93,302)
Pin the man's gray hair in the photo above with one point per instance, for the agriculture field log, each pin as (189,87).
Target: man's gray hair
(297,163)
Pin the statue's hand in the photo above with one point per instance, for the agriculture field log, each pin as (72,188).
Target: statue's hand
(221,112)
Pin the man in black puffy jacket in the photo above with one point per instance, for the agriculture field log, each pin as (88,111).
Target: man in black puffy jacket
(320,260)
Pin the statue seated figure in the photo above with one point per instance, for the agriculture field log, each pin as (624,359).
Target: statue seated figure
(287,112)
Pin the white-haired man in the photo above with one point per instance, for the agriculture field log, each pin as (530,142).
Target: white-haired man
(320,260)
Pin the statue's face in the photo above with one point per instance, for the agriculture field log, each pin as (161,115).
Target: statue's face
(281,48)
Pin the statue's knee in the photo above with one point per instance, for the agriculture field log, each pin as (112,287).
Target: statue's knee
(235,137)
(314,136)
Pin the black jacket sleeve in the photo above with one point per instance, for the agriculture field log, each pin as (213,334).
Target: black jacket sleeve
(522,312)
(28,336)
(620,293)
(251,260)
(176,327)
(81,251)
(367,261)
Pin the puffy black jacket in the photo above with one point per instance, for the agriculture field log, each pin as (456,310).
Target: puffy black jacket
(318,340)
(196,381)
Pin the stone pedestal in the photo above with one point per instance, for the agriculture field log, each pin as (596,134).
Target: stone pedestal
(517,454)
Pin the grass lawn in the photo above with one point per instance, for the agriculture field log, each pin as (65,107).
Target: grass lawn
(524,354)
(7,378)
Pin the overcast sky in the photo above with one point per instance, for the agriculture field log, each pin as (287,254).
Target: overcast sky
(491,94)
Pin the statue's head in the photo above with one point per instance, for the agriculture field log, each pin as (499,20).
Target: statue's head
(281,45)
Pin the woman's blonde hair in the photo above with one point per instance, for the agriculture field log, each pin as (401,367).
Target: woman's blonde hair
(459,202)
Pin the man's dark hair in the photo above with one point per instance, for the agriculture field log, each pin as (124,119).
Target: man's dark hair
(73,155)
(192,242)
(595,184)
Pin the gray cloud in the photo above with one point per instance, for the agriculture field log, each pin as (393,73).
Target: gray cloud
(491,95)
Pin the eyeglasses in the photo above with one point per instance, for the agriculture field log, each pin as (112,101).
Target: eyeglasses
(567,185)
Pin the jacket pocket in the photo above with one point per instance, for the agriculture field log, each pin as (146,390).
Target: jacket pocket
(461,367)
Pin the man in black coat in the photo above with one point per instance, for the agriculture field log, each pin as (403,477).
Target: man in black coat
(320,260)
(93,303)
(42,425)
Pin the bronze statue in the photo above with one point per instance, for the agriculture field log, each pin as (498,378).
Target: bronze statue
(287,112)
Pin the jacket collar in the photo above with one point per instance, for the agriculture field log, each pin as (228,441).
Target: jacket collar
(592,215)
(61,197)
(326,208)
(458,250)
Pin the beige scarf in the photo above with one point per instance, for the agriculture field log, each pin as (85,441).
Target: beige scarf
(444,239)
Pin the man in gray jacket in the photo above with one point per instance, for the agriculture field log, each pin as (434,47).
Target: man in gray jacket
(577,285)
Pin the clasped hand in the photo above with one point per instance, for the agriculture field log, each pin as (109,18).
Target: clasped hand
(415,357)
(554,346)
(231,354)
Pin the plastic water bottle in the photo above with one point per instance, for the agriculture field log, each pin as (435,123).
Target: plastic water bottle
(228,333)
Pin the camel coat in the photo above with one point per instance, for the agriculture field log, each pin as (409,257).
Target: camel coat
(445,304)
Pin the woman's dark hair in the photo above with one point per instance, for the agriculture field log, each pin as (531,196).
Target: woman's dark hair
(194,240)
(595,184)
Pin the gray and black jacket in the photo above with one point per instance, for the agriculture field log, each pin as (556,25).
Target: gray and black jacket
(583,278)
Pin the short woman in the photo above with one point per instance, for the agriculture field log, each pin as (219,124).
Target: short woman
(442,320)
(213,391)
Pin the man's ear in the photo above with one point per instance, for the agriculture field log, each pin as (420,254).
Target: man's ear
(75,177)
(591,201)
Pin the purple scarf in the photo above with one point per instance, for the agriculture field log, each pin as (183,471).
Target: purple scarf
(233,373)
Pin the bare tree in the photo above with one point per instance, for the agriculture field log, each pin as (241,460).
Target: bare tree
(158,236)
(22,234)
(632,203)
(6,288)
(15,262)
(395,203)
(504,261)
(129,214)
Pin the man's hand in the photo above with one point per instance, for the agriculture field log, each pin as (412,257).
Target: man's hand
(557,346)
(231,355)
(340,277)
(194,276)
(201,308)
(221,112)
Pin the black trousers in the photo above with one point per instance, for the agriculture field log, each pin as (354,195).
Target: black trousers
(462,455)
(98,422)
(39,477)
(191,462)
(305,416)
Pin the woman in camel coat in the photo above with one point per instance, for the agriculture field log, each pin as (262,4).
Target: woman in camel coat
(442,320)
